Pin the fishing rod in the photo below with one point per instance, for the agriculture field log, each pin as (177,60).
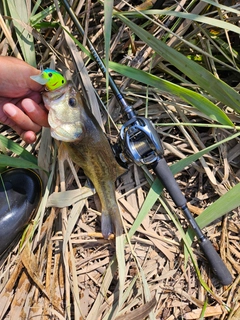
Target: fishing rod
(140,143)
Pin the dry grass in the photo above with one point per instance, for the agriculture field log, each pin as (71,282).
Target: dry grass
(65,269)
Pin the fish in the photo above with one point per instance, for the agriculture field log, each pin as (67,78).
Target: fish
(72,122)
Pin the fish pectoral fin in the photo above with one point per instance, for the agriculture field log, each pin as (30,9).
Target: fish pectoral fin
(63,152)
(120,170)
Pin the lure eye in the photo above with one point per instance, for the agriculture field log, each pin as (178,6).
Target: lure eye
(50,74)
(72,102)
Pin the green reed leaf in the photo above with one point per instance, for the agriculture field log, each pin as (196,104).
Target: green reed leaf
(19,10)
(17,149)
(220,207)
(193,98)
(206,80)
(108,10)
(6,161)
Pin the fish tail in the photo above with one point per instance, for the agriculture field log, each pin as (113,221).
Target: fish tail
(106,225)
(111,223)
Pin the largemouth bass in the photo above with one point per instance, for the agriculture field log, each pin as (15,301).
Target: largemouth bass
(72,122)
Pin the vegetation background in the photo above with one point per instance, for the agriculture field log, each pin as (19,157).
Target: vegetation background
(177,63)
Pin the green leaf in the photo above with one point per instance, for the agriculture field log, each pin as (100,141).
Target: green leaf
(195,99)
(41,15)
(220,207)
(17,149)
(20,12)
(183,163)
(189,16)
(6,161)
(206,80)
(222,7)
(108,11)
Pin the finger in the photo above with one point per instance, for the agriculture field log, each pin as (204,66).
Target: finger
(28,136)
(18,119)
(35,112)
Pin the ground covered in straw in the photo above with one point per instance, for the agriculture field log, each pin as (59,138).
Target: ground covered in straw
(65,269)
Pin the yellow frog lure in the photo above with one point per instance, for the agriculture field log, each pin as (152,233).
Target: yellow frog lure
(52,79)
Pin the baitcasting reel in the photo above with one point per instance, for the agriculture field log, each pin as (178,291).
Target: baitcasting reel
(140,141)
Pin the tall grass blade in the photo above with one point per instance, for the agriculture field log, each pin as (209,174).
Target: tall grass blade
(6,161)
(183,163)
(190,16)
(72,219)
(108,10)
(68,198)
(102,295)
(220,207)
(20,11)
(120,243)
(126,295)
(206,80)
(193,98)
(222,7)
(17,149)
(37,18)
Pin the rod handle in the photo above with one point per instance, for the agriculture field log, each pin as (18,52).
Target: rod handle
(216,263)
(165,175)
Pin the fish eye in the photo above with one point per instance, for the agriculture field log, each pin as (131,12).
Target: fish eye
(72,102)
(50,74)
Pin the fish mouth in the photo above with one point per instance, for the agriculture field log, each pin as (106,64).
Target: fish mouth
(61,134)
(58,96)
(56,93)
(50,98)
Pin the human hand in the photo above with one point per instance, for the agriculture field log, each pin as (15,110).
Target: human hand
(21,106)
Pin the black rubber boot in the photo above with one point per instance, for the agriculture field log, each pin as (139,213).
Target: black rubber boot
(20,195)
